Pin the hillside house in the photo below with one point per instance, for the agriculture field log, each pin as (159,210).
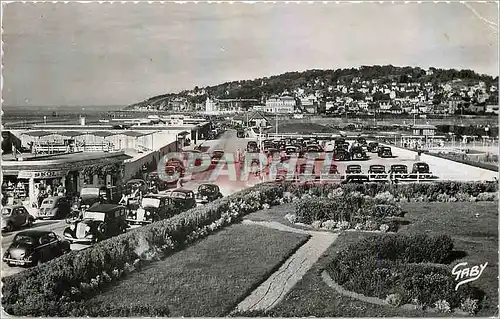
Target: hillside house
(281,105)
(424,130)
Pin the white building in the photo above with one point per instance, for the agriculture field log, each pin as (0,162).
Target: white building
(283,104)
(210,106)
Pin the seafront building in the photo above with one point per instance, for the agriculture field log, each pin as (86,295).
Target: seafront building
(104,154)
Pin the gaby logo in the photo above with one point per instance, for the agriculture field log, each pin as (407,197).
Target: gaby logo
(469,273)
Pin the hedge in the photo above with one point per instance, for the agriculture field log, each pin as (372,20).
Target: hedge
(382,266)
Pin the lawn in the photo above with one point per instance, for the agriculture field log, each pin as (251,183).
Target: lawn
(209,278)
(477,236)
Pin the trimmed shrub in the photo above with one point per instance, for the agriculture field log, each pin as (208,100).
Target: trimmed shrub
(393,267)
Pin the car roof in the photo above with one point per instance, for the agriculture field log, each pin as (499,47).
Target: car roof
(104,208)
(34,233)
(135,180)
(377,165)
(155,196)
(181,190)
(354,165)
(208,184)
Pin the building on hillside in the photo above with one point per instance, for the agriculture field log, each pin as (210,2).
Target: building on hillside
(281,105)
(236,104)
(453,103)
(178,104)
(211,106)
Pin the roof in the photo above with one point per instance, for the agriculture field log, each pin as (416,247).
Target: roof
(135,134)
(34,233)
(70,133)
(103,208)
(37,133)
(424,126)
(103,133)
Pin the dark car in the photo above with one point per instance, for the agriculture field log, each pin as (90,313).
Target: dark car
(377,171)
(15,217)
(54,207)
(421,168)
(152,208)
(252,146)
(399,171)
(353,169)
(216,156)
(136,185)
(155,182)
(98,223)
(33,247)
(384,152)
(357,152)
(341,155)
(183,199)
(313,148)
(361,141)
(356,179)
(91,195)
(207,193)
(373,147)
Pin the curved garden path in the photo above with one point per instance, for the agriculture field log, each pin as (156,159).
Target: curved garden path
(272,291)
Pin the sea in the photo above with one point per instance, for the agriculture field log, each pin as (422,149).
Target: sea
(55,114)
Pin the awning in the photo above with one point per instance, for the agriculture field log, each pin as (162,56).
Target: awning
(135,134)
(70,133)
(102,133)
(38,133)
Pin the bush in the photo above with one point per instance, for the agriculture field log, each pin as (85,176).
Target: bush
(470,306)
(391,267)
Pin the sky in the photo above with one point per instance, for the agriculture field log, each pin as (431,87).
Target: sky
(80,54)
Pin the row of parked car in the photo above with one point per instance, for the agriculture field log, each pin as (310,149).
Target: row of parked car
(101,220)
(341,149)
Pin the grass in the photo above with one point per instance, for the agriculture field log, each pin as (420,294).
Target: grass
(211,277)
(478,237)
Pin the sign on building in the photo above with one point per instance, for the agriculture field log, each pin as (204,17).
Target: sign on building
(41,175)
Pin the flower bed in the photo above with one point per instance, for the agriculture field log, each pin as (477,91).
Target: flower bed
(47,289)
(402,270)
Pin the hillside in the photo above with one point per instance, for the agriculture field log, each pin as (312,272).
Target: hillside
(320,82)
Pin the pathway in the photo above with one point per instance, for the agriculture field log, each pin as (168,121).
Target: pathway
(274,289)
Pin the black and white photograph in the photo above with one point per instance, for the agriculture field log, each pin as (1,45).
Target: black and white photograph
(249,159)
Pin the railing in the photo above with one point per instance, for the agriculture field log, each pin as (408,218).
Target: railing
(92,147)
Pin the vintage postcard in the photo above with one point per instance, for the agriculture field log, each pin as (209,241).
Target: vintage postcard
(249,159)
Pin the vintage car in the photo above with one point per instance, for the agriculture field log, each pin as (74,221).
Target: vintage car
(421,170)
(356,179)
(384,152)
(314,148)
(136,185)
(97,223)
(54,207)
(207,193)
(216,156)
(183,199)
(373,147)
(252,146)
(91,195)
(152,208)
(353,169)
(155,182)
(341,155)
(399,171)
(33,247)
(15,217)
(172,176)
(361,141)
(357,152)
(377,171)
(291,151)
